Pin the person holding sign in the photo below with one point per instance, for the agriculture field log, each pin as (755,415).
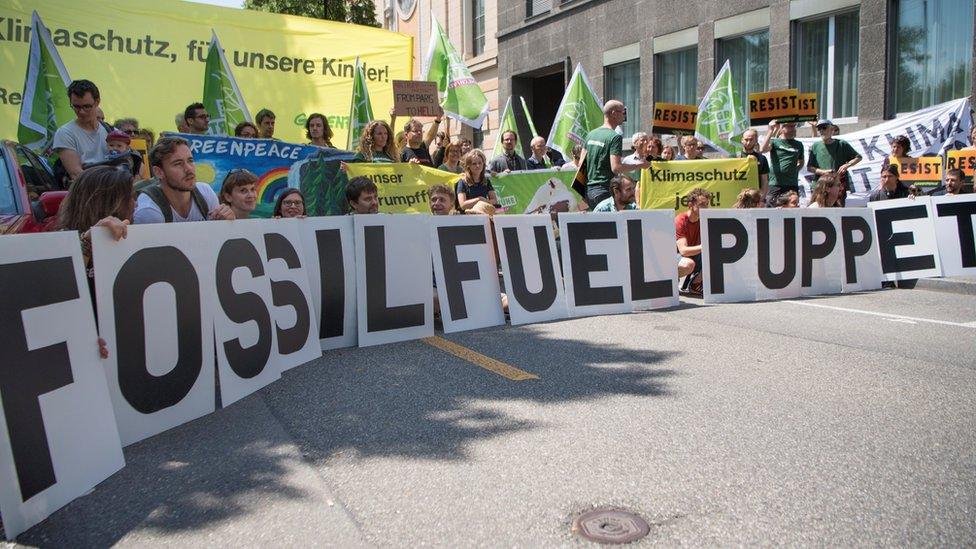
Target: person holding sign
(750,147)
(691,148)
(417,150)
(362,195)
(376,144)
(953,184)
(900,146)
(474,191)
(602,150)
(178,197)
(687,230)
(831,155)
(290,204)
(239,191)
(623,189)
(786,157)
(827,193)
(890,187)
(509,160)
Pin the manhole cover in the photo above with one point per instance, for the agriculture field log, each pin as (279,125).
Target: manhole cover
(610,526)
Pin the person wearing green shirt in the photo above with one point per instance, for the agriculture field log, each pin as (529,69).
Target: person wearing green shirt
(623,189)
(785,161)
(376,144)
(832,156)
(602,150)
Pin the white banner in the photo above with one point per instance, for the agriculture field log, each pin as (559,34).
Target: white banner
(906,236)
(530,264)
(954,223)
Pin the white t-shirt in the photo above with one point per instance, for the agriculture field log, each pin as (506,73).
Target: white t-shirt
(148,212)
(90,145)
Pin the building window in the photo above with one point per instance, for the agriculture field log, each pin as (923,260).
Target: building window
(675,76)
(535,7)
(749,57)
(825,57)
(477,27)
(622,81)
(933,53)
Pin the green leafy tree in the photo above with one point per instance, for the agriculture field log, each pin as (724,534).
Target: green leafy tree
(360,12)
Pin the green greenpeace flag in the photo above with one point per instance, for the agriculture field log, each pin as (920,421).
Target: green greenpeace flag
(360,110)
(45,105)
(505,123)
(461,96)
(579,112)
(721,117)
(221,96)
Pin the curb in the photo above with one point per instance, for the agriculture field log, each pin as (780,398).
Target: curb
(964,286)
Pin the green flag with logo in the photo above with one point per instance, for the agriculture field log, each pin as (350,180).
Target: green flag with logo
(360,111)
(721,116)
(579,112)
(45,105)
(461,96)
(221,96)
(505,123)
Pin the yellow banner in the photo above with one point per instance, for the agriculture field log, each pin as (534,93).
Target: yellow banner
(964,160)
(925,169)
(665,185)
(402,187)
(147,59)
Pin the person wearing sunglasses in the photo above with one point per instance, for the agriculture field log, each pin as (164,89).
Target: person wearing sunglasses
(197,119)
(81,141)
(290,204)
(128,125)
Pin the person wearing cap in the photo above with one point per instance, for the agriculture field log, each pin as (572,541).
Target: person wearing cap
(832,156)
(118,142)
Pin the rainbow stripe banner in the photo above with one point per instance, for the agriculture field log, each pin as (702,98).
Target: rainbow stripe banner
(278,165)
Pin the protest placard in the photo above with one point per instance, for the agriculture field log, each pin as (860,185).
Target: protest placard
(674,119)
(666,185)
(925,170)
(415,98)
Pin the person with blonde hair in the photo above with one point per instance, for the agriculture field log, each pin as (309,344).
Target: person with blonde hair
(474,191)
(376,144)
(749,198)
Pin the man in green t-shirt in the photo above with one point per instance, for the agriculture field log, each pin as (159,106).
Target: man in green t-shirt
(785,160)
(602,151)
(832,156)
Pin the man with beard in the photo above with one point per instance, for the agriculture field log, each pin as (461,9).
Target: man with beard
(178,196)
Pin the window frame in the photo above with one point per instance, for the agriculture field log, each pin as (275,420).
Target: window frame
(475,50)
(606,94)
(831,57)
(658,72)
(718,58)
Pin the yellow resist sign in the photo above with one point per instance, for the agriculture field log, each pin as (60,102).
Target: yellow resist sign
(775,105)
(674,119)
(402,187)
(925,169)
(964,160)
(665,185)
(148,57)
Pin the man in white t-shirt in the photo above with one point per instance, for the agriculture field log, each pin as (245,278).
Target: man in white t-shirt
(81,141)
(178,197)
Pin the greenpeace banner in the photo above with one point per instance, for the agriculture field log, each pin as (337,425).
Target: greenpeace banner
(402,187)
(148,59)
(186,308)
(278,165)
(665,185)
(536,191)
(932,132)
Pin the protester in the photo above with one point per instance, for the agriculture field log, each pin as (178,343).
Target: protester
(889,188)
(317,131)
(750,147)
(602,154)
(117,143)
(786,159)
(538,160)
(362,196)
(180,123)
(641,142)
(831,155)
(953,184)
(509,160)
(556,159)
(417,149)
(100,116)
(266,122)
(441,141)
(655,149)
(375,144)
(441,199)
(787,200)
(667,153)
(575,163)
(623,191)
(239,191)
(748,198)
(148,136)
(246,130)
(900,145)
(474,191)
(827,193)
(178,197)
(290,203)
(691,149)
(81,141)
(687,230)
(452,158)
(465,146)
(130,126)
(197,119)
(100,197)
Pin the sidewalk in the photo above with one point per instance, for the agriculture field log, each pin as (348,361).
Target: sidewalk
(954,285)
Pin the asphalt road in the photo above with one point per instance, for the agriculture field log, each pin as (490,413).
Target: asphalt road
(830,421)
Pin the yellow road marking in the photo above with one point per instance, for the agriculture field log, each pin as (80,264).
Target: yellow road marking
(478,359)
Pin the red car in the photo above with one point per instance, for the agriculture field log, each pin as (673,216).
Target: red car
(29,196)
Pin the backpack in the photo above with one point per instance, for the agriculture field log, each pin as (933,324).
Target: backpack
(155,192)
(61,176)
